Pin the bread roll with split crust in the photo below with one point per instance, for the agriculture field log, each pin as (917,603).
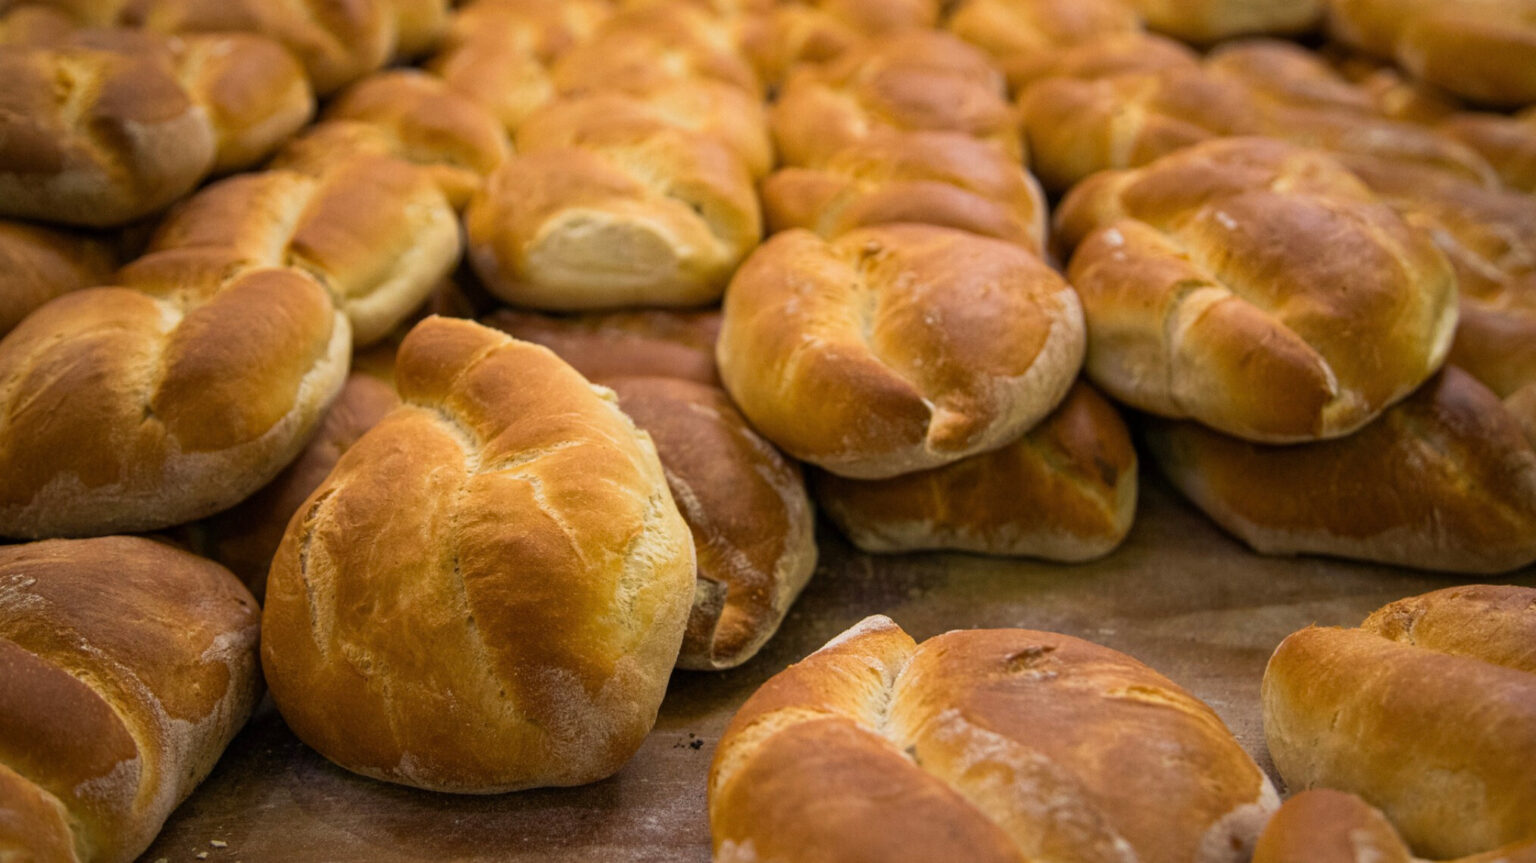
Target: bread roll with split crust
(514,626)
(983,745)
(38,264)
(1065,491)
(896,348)
(1426,711)
(1256,287)
(129,666)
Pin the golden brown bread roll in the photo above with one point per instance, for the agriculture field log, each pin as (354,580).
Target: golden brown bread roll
(38,264)
(129,666)
(1216,287)
(1066,491)
(1326,826)
(1206,21)
(1100,58)
(913,81)
(1444,480)
(109,126)
(746,506)
(1481,49)
(652,343)
(245,537)
(936,178)
(1017,34)
(641,214)
(642,48)
(1427,711)
(984,745)
(896,348)
(515,626)
(1508,143)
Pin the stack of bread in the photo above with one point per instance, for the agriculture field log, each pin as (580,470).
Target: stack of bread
(492,384)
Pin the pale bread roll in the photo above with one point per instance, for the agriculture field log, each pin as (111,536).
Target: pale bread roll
(985,745)
(129,666)
(515,625)
(896,348)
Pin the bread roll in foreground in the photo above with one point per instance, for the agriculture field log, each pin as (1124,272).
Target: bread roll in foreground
(896,348)
(1445,480)
(1256,287)
(127,668)
(1427,711)
(1066,490)
(983,745)
(1326,826)
(489,591)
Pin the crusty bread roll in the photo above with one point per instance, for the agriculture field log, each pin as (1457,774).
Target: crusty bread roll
(983,745)
(936,178)
(647,215)
(129,666)
(652,343)
(38,264)
(1327,826)
(245,537)
(896,348)
(746,506)
(1428,711)
(1444,480)
(1481,49)
(782,36)
(1100,58)
(109,126)
(1017,33)
(1508,143)
(1215,285)
(1206,21)
(516,624)
(1066,490)
(917,80)
(643,48)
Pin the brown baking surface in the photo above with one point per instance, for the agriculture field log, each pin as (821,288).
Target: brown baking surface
(1179,595)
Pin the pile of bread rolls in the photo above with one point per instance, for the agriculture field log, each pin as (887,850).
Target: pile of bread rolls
(501,349)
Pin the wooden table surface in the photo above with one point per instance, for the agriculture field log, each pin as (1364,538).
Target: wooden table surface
(1179,595)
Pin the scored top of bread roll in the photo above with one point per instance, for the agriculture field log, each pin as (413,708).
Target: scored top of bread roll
(896,348)
(129,666)
(1256,287)
(1434,727)
(984,745)
(516,624)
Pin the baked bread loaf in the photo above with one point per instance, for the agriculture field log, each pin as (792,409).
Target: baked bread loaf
(936,178)
(38,264)
(1018,33)
(109,126)
(982,745)
(917,80)
(1326,826)
(1215,287)
(245,537)
(638,215)
(1426,711)
(1207,21)
(129,666)
(744,503)
(515,626)
(1444,480)
(1065,491)
(896,348)
(1481,49)
(616,344)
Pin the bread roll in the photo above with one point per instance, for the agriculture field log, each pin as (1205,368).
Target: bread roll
(1325,826)
(1100,58)
(1215,287)
(1445,480)
(779,39)
(515,626)
(896,348)
(1206,21)
(129,666)
(913,81)
(983,745)
(647,215)
(1065,491)
(1426,711)
(246,537)
(936,178)
(1017,33)
(642,49)
(38,264)
(1508,143)
(745,505)
(110,126)
(618,344)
